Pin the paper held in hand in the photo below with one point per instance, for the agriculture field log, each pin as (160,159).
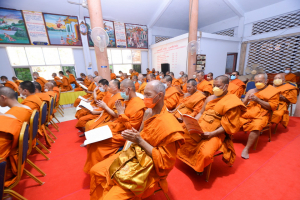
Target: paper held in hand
(191,124)
(97,134)
(86,105)
(80,97)
(83,86)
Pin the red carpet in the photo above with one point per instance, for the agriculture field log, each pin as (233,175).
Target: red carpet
(272,172)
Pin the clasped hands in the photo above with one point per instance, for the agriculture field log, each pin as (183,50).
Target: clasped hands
(253,97)
(120,108)
(132,135)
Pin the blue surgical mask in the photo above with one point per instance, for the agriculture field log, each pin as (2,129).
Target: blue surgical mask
(101,89)
(160,76)
(124,96)
(134,82)
(232,77)
(140,82)
(287,71)
(166,86)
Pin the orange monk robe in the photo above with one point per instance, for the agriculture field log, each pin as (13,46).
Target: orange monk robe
(180,80)
(21,113)
(72,80)
(34,102)
(184,89)
(142,88)
(9,135)
(291,77)
(176,82)
(56,90)
(256,117)
(205,86)
(57,80)
(133,74)
(12,85)
(158,77)
(52,94)
(18,82)
(172,98)
(122,78)
(190,105)
(282,114)
(137,86)
(224,111)
(85,116)
(150,72)
(88,95)
(211,82)
(113,76)
(164,133)
(42,82)
(132,118)
(234,89)
(65,85)
(241,85)
(43,97)
(86,82)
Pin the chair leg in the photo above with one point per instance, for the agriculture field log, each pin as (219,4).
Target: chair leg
(56,119)
(208,172)
(60,112)
(167,196)
(276,128)
(50,133)
(42,153)
(43,146)
(255,145)
(14,194)
(35,167)
(54,125)
(33,177)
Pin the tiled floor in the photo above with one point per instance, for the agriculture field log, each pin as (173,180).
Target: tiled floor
(69,114)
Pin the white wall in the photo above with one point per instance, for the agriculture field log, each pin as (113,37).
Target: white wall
(79,61)
(216,54)
(5,68)
(222,25)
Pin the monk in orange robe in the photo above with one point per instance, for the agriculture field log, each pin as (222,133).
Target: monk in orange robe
(172,95)
(210,78)
(175,82)
(90,89)
(184,79)
(43,96)
(203,85)
(180,78)
(157,75)
(136,82)
(112,75)
(260,102)
(27,89)
(289,76)
(86,82)
(55,89)
(241,85)
(150,77)
(65,86)
(142,83)
(72,79)
(233,88)
(16,80)
(57,80)
(218,119)
(9,138)
(129,116)
(193,102)
(85,115)
(49,90)
(148,71)
(288,95)
(39,79)
(10,84)
(159,143)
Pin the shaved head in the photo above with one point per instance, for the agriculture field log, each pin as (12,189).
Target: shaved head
(8,92)
(49,85)
(224,79)
(262,75)
(168,78)
(193,82)
(156,86)
(128,84)
(116,83)
(280,76)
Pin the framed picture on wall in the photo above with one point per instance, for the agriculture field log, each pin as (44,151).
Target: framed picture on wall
(108,27)
(137,36)
(62,29)
(12,27)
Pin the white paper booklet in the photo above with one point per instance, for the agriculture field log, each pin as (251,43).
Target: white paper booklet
(86,105)
(4,109)
(80,97)
(139,95)
(96,135)
(83,86)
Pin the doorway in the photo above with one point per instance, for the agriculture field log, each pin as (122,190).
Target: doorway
(231,63)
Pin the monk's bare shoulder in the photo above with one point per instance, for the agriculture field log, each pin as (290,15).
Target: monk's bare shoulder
(211,97)
(147,114)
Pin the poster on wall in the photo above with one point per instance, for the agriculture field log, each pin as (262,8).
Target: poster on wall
(62,30)
(108,27)
(120,34)
(137,36)
(35,25)
(12,27)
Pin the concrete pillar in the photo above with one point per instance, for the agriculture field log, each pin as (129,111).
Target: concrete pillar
(193,18)
(95,12)
(297,109)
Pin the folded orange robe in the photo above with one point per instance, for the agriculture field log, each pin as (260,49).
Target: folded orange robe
(205,86)
(164,133)
(9,135)
(113,76)
(12,85)
(42,82)
(72,80)
(132,118)
(241,85)
(90,89)
(224,111)
(137,86)
(175,82)
(57,80)
(158,78)
(256,117)
(65,86)
(85,115)
(21,113)
(282,114)
(142,88)
(184,89)
(291,77)
(18,82)
(191,105)
(172,98)
(86,82)
(234,89)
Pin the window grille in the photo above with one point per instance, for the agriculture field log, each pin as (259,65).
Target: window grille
(161,38)
(228,32)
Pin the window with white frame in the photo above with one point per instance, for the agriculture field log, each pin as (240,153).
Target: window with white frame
(44,60)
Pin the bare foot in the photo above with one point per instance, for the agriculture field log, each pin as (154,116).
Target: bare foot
(245,154)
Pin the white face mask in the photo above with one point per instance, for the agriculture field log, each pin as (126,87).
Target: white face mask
(4,81)
(101,89)
(46,90)
(194,76)
(34,77)
(22,96)
(287,71)
(166,86)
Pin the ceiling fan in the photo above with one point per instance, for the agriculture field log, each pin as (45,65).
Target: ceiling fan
(83,4)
